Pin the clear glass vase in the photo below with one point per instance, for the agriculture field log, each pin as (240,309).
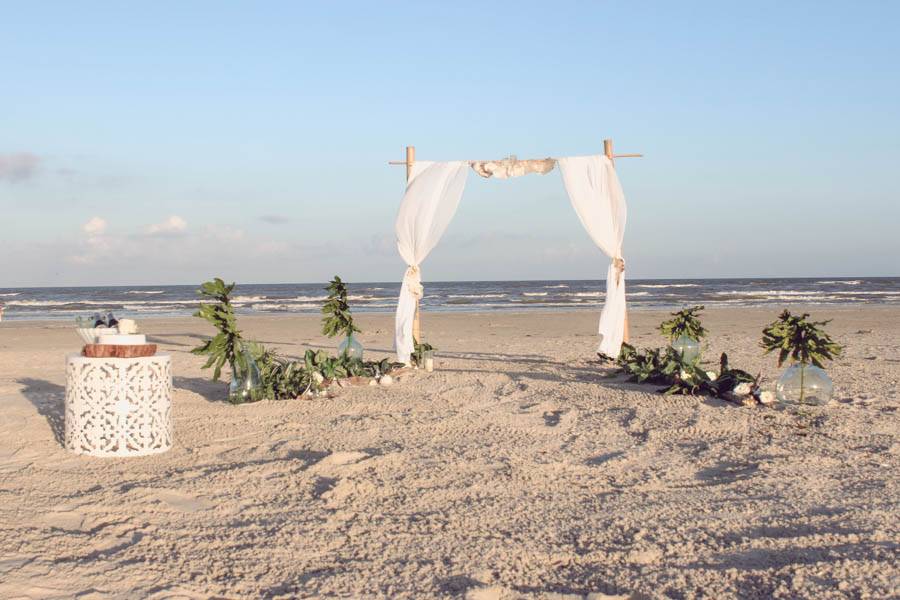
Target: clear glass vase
(428,360)
(246,382)
(804,384)
(351,347)
(687,347)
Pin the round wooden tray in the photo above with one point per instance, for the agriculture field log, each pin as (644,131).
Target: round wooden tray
(118,351)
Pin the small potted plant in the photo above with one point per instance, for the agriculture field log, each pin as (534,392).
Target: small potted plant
(228,346)
(423,355)
(339,321)
(684,332)
(807,346)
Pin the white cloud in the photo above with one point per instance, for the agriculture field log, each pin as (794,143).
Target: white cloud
(18,167)
(166,243)
(223,233)
(174,225)
(95,226)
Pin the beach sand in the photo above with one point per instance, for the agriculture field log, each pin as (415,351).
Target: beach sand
(518,469)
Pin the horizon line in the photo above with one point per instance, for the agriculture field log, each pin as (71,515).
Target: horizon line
(124,285)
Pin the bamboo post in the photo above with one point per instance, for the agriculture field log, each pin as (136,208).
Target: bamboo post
(608,151)
(410,160)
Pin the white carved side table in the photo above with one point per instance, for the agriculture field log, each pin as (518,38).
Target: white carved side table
(118,406)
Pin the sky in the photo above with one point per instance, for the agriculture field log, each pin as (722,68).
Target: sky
(170,142)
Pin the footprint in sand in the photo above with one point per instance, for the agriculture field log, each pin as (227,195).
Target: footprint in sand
(727,472)
(10,565)
(331,485)
(334,461)
(486,593)
(65,520)
(182,501)
(549,414)
(552,417)
(13,460)
(344,492)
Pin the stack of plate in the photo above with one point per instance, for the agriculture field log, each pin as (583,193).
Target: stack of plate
(120,339)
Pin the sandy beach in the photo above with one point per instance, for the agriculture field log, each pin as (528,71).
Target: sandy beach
(519,469)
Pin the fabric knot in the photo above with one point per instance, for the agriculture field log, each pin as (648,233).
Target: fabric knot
(413,280)
(619,264)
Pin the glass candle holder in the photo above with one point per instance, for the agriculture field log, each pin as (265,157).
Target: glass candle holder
(687,347)
(246,382)
(804,384)
(351,347)
(428,360)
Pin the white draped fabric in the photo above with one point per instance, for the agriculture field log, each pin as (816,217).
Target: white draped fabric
(430,201)
(597,197)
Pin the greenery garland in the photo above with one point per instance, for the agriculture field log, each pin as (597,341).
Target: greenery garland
(281,378)
(665,367)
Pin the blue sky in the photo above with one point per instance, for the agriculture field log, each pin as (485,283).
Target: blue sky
(167,142)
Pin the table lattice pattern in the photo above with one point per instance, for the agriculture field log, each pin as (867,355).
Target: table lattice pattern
(118,406)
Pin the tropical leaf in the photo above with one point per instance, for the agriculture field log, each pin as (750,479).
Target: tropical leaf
(684,322)
(225,346)
(419,349)
(801,340)
(337,319)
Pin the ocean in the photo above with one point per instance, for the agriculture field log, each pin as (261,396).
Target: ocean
(179,300)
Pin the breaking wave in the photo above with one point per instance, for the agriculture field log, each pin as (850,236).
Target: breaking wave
(67,303)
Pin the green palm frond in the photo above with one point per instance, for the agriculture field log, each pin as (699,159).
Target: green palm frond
(337,320)
(801,340)
(684,322)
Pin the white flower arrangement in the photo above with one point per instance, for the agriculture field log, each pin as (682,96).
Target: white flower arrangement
(767,397)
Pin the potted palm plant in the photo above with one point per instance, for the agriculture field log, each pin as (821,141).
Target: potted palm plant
(339,321)
(807,346)
(228,346)
(684,332)
(423,355)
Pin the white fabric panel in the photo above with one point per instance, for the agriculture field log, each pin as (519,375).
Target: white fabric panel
(428,206)
(418,167)
(597,197)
